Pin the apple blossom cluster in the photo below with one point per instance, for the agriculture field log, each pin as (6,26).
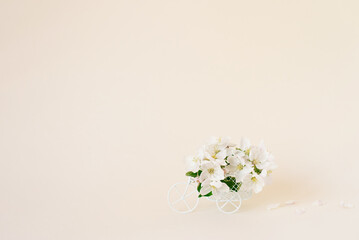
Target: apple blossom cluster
(221,166)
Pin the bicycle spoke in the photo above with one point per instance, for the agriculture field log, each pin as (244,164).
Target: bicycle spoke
(234,205)
(224,204)
(185,202)
(179,193)
(177,197)
(177,201)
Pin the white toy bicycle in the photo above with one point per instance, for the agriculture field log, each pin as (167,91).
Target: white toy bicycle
(183,198)
(222,172)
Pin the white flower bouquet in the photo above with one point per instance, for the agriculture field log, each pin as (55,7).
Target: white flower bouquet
(220,167)
(222,172)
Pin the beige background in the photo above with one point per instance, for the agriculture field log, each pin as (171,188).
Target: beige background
(101,100)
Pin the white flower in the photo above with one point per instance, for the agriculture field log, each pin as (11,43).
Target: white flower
(258,155)
(270,165)
(253,182)
(238,167)
(193,162)
(216,153)
(245,144)
(216,157)
(232,151)
(261,158)
(250,165)
(211,170)
(216,187)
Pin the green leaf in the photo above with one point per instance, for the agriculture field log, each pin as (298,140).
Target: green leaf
(194,174)
(207,195)
(191,174)
(199,190)
(199,187)
(257,170)
(232,183)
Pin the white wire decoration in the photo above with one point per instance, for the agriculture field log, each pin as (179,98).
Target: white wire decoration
(183,198)
(222,172)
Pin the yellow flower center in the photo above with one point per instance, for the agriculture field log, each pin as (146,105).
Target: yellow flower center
(215,153)
(254,179)
(240,167)
(211,170)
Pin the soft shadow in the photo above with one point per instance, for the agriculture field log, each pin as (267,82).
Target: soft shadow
(282,189)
